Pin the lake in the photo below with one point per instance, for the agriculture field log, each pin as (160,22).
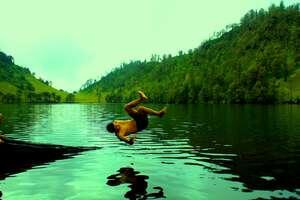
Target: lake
(194,152)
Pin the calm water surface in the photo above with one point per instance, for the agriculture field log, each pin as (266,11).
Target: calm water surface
(194,152)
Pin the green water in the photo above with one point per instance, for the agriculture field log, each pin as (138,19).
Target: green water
(194,152)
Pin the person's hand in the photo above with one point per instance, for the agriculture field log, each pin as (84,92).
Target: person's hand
(131,141)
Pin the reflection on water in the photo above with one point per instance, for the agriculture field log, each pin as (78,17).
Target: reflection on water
(194,152)
(260,145)
(138,184)
(259,169)
(22,118)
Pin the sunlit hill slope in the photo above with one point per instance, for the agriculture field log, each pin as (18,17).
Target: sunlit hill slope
(18,84)
(256,60)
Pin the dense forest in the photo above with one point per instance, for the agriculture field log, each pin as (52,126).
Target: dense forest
(18,84)
(253,61)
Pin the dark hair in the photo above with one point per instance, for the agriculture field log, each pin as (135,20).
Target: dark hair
(110,127)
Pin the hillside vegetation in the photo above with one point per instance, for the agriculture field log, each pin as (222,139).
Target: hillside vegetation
(254,61)
(18,84)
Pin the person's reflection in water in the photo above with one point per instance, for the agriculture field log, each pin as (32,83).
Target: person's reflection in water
(138,184)
(0,195)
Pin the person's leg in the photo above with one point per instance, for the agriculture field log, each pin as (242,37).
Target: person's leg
(149,111)
(129,106)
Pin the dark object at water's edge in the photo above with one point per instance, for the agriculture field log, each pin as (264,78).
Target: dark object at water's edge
(18,156)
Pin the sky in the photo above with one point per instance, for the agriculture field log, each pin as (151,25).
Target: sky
(70,41)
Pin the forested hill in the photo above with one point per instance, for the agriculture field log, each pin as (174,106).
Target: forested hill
(254,61)
(18,84)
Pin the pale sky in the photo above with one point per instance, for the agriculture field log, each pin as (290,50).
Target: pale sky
(70,41)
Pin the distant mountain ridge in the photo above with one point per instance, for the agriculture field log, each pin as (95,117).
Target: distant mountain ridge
(18,84)
(254,61)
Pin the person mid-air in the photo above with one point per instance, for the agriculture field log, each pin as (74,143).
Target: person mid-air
(123,128)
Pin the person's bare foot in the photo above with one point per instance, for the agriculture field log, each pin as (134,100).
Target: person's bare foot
(142,95)
(162,112)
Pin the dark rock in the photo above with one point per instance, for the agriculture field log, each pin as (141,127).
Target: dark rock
(18,156)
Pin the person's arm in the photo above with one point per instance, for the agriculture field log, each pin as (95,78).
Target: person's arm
(126,139)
